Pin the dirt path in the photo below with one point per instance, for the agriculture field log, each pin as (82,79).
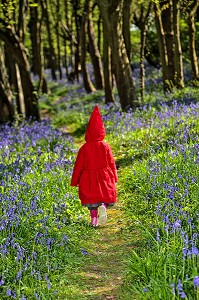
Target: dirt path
(102,274)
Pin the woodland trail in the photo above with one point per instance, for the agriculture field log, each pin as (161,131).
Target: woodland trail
(102,273)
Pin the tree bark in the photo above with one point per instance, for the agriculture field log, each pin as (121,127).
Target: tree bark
(33,25)
(162,48)
(178,63)
(23,5)
(112,18)
(143,25)
(37,48)
(86,78)
(167,26)
(95,54)
(20,56)
(167,22)
(42,85)
(126,21)
(52,57)
(58,38)
(76,5)
(6,100)
(192,44)
(108,80)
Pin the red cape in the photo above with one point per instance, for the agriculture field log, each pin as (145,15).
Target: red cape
(95,171)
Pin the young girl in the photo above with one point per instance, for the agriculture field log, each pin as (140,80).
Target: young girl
(95,172)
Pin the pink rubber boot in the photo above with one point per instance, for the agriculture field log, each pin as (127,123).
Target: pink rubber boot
(94,217)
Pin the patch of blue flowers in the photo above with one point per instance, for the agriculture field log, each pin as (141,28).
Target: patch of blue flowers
(37,207)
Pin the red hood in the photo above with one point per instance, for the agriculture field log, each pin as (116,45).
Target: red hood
(95,130)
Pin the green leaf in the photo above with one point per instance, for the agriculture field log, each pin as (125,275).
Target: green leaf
(33,5)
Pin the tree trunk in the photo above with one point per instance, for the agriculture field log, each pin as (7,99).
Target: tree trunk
(192,44)
(68,33)
(11,67)
(178,63)
(52,57)
(42,86)
(162,48)
(77,26)
(126,21)
(167,26)
(86,78)
(112,18)
(108,80)
(167,22)
(20,99)
(95,54)
(99,32)
(37,48)
(33,25)
(20,56)
(23,4)
(6,100)
(58,39)
(143,30)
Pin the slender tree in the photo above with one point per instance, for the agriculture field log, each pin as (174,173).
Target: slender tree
(52,57)
(35,26)
(7,111)
(126,24)
(86,78)
(59,63)
(178,62)
(192,9)
(141,19)
(94,52)
(79,31)
(108,80)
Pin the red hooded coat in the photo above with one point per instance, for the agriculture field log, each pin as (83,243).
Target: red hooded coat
(95,171)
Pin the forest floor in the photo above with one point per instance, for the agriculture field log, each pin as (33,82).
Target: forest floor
(101,273)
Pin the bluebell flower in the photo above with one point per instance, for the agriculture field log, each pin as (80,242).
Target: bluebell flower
(196,281)
(19,274)
(83,251)
(2,281)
